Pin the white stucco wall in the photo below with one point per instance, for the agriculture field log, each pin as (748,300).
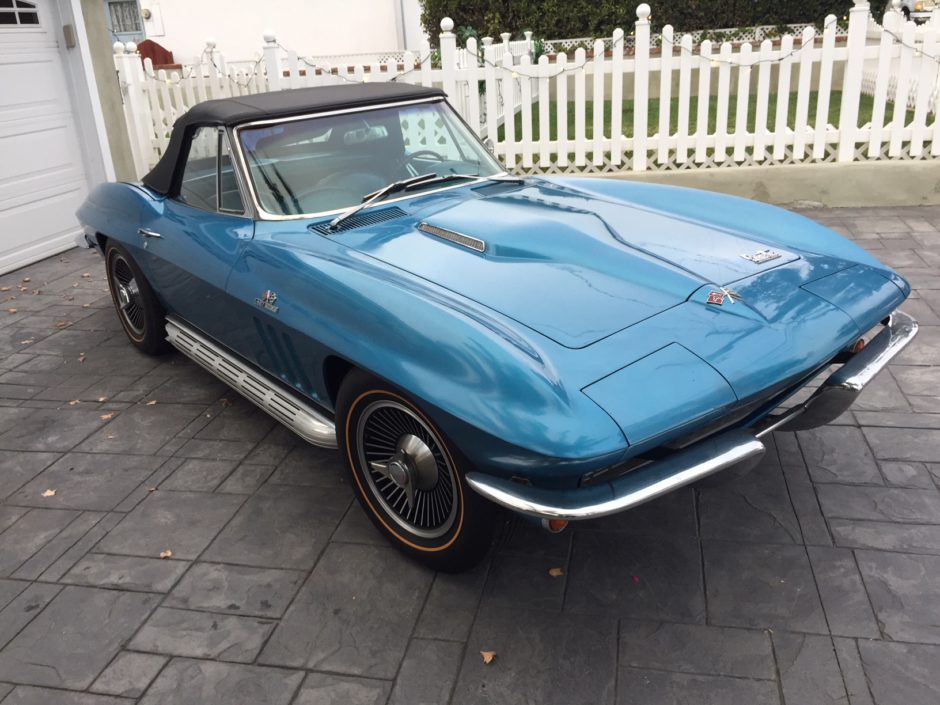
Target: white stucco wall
(311,27)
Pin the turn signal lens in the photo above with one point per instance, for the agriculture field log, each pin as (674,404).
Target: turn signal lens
(859,345)
(554,525)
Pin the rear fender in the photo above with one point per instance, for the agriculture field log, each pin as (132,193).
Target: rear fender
(116,211)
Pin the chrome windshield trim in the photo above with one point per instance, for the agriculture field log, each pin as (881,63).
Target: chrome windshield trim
(262,214)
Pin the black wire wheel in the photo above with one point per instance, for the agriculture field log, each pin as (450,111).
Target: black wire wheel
(407,471)
(138,309)
(409,477)
(127,296)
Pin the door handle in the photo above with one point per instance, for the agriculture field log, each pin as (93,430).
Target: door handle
(148,233)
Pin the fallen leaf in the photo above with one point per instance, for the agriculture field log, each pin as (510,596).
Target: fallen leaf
(108,416)
(488,656)
(4,288)
(74,402)
(81,357)
(28,341)
(25,279)
(62,324)
(556,572)
(11,310)
(151,489)
(152,402)
(166,554)
(86,305)
(23,288)
(110,436)
(86,275)
(225,403)
(102,399)
(37,291)
(48,493)
(75,285)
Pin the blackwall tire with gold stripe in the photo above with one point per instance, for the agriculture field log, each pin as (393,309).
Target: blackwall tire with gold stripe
(140,312)
(408,476)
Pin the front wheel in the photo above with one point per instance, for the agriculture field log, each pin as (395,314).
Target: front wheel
(409,478)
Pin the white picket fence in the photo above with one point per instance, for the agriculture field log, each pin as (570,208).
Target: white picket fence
(541,118)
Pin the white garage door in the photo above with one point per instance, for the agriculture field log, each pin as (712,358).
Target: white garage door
(42,180)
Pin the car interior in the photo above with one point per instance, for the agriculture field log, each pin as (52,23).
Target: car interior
(328,163)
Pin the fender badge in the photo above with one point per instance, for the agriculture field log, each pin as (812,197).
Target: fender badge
(715,297)
(268,301)
(718,297)
(762,256)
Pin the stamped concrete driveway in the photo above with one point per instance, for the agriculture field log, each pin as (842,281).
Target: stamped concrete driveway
(815,579)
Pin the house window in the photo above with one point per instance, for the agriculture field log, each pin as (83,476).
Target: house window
(18,12)
(125,18)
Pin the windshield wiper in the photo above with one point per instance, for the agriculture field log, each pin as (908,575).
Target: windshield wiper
(395,187)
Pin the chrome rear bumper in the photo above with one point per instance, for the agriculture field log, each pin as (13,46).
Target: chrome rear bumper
(708,456)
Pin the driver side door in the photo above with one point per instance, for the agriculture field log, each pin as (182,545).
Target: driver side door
(192,242)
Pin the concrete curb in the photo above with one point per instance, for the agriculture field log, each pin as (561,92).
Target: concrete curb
(877,183)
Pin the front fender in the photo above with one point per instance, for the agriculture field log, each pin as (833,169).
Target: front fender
(772,224)
(496,391)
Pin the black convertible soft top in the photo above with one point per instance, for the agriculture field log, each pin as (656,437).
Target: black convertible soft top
(261,106)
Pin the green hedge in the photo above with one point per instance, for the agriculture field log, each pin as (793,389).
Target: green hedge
(559,19)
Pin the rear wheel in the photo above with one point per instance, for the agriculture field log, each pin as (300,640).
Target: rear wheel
(409,478)
(138,309)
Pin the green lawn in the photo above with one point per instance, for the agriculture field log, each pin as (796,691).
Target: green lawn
(865,109)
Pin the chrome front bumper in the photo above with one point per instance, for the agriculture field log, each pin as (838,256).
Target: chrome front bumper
(708,456)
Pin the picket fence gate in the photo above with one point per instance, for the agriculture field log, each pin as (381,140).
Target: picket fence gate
(536,113)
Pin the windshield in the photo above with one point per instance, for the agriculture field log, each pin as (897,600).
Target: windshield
(323,164)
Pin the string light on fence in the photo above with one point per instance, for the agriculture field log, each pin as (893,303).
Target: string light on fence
(516,72)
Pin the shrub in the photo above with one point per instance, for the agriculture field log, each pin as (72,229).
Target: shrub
(559,19)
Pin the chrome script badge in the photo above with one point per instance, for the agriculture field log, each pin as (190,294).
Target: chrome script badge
(268,300)
(762,256)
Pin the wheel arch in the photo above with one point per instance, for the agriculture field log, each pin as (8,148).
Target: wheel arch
(335,369)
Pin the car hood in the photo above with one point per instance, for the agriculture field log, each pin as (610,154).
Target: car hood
(571,266)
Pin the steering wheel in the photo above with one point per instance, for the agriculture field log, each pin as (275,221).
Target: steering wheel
(421,153)
(313,200)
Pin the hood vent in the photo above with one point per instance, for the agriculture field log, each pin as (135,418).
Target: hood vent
(470,243)
(360,220)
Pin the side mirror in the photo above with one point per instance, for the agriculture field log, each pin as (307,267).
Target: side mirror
(490,147)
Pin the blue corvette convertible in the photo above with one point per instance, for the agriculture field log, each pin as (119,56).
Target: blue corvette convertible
(353,260)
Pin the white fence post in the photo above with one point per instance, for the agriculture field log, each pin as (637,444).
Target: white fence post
(448,44)
(272,61)
(136,111)
(641,86)
(616,98)
(473,87)
(665,94)
(852,82)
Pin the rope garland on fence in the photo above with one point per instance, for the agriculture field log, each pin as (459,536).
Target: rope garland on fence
(515,70)
(917,49)
(328,70)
